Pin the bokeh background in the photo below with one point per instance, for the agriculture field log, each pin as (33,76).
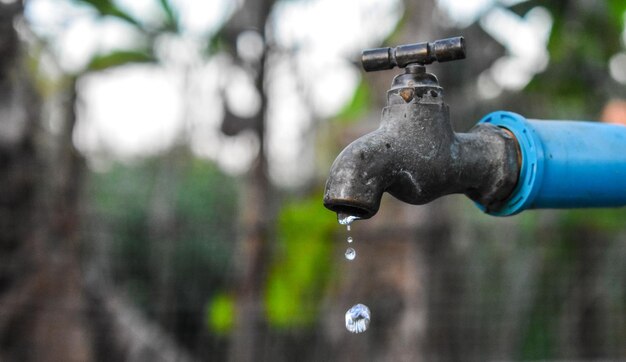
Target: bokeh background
(162,165)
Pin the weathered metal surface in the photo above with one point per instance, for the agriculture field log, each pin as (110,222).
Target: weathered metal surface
(417,157)
(443,50)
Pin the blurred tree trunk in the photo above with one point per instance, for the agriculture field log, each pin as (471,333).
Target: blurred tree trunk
(49,312)
(583,333)
(162,233)
(257,211)
(42,300)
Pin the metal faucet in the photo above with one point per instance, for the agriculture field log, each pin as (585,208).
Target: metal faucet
(414,154)
(506,163)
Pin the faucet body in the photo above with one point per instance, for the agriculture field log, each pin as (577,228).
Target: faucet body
(417,157)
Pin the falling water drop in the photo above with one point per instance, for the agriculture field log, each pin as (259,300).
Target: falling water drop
(350,254)
(358,318)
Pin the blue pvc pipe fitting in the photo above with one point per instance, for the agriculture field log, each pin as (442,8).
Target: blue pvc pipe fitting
(565,164)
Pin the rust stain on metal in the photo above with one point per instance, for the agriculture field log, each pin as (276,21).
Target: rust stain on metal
(407,94)
(510,135)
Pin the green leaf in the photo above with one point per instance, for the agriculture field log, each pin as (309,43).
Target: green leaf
(301,270)
(117,58)
(171,20)
(523,7)
(220,313)
(358,106)
(618,11)
(282,304)
(219,43)
(107,8)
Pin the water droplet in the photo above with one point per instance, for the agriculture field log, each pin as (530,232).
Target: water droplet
(350,239)
(345,219)
(358,318)
(350,254)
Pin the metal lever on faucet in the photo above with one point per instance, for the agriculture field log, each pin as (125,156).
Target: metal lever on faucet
(443,50)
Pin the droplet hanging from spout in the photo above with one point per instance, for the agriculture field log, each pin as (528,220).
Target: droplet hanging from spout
(345,219)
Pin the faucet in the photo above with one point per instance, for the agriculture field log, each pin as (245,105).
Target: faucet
(505,164)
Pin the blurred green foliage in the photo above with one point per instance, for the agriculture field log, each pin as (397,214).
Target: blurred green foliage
(618,11)
(109,8)
(539,342)
(302,264)
(221,313)
(118,58)
(575,84)
(200,238)
(358,106)
(570,248)
(605,220)
(144,51)
(171,22)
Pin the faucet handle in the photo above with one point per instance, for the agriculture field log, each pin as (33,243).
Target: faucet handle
(443,50)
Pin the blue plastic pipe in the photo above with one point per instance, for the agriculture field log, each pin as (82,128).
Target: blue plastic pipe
(565,164)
